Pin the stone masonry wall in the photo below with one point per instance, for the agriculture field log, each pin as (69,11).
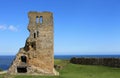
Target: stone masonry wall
(37,56)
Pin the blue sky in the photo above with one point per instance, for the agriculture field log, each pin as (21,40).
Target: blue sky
(81,26)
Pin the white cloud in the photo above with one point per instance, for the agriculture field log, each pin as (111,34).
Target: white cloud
(12,28)
(3,27)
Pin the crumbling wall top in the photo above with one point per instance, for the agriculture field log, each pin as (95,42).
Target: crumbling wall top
(35,13)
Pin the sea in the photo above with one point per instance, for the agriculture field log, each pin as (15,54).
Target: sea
(5,61)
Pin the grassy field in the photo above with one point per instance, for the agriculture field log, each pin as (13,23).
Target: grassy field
(79,71)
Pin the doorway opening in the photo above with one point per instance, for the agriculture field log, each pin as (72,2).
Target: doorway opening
(21,69)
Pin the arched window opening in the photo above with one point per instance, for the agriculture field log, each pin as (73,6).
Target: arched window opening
(24,59)
(37,19)
(41,19)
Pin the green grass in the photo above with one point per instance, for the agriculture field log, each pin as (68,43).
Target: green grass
(79,71)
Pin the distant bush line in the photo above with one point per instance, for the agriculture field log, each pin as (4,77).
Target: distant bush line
(0,69)
(112,62)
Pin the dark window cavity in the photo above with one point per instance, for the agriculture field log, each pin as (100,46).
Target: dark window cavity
(21,69)
(24,59)
(37,33)
(34,35)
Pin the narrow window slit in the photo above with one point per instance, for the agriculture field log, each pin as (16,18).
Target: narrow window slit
(37,33)
(34,35)
(32,46)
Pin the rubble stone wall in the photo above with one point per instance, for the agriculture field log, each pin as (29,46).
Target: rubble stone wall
(112,62)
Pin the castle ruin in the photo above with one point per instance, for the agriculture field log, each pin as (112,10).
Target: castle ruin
(37,56)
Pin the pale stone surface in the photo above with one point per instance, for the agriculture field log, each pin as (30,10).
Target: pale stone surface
(37,57)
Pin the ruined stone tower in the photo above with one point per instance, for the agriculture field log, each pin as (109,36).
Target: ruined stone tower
(37,57)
